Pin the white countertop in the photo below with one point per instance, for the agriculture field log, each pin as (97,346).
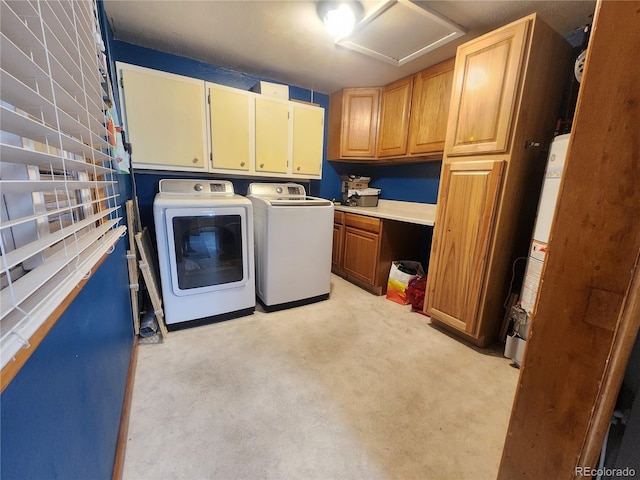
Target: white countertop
(410,212)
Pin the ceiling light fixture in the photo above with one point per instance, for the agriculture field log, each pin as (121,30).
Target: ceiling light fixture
(340,17)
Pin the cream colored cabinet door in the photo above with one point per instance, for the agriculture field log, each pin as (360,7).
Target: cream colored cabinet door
(467,206)
(165,119)
(308,136)
(486,81)
(272,135)
(231,114)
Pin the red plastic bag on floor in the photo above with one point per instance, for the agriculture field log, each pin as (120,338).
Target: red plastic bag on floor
(415,292)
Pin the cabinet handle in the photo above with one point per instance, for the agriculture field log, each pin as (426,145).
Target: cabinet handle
(298,168)
(262,165)
(242,164)
(195,160)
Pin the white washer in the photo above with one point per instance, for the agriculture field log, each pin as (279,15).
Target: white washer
(293,240)
(204,234)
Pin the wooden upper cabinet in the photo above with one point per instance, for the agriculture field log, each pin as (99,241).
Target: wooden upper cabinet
(353,123)
(430,108)
(395,108)
(467,205)
(488,73)
(405,121)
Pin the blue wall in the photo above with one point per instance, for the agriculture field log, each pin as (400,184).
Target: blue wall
(412,182)
(61,414)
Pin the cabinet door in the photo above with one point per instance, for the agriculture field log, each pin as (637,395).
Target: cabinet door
(338,246)
(272,135)
(487,77)
(308,136)
(395,107)
(430,108)
(231,128)
(461,241)
(358,124)
(165,120)
(361,254)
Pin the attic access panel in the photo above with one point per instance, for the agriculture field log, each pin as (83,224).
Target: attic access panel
(400,31)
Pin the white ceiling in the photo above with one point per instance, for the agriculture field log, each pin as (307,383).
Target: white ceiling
(285,41)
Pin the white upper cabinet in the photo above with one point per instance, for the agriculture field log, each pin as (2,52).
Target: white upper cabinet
(164,117)
(308,136)
(231,116)
(273,132)
(179,123)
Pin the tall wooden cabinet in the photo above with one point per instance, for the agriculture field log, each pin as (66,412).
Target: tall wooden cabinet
(505,99)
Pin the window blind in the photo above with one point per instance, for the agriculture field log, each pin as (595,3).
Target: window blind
(60,212)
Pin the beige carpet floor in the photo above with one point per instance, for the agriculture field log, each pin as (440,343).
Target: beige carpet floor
(355,387)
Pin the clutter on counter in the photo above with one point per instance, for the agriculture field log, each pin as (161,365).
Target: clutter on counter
(364,197)
(356,191)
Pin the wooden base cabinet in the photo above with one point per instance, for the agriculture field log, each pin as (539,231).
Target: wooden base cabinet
(491,173)
(364,247)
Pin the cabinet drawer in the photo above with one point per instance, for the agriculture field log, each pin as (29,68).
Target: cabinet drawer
(362,222)
(338,217)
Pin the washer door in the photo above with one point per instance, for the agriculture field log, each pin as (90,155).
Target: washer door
(208,249)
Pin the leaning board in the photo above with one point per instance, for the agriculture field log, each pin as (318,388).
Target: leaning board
(132,262)
(150,277)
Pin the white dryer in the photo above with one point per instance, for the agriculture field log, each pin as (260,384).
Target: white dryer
(204,233)
(293,243)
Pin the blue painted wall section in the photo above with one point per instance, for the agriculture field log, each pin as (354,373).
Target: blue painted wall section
(413,182)
(61,413)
